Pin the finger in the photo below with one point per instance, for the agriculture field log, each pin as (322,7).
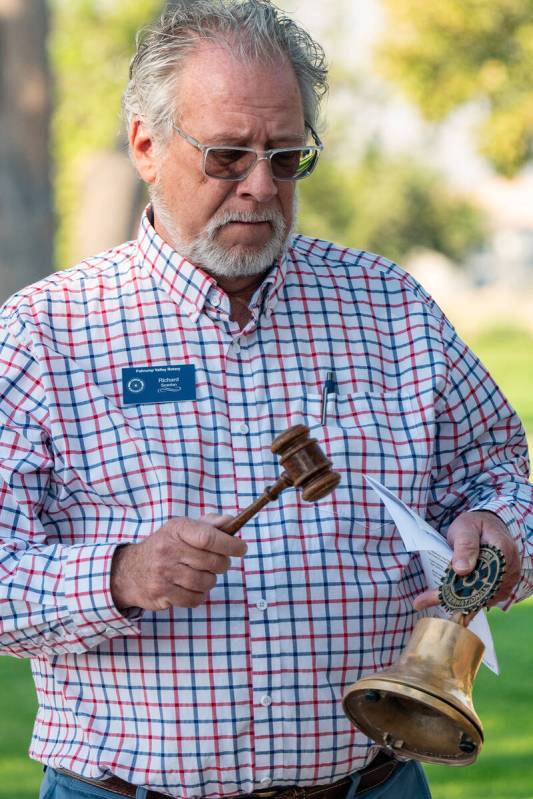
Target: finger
(162,592)
(201,560)
(183,576)
(495,532)
(464,535)
(176,596)
(206,537)
(427,599)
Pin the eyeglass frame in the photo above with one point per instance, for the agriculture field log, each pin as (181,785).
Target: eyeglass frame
(266,156)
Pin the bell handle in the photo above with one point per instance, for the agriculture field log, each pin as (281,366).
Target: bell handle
(270,493)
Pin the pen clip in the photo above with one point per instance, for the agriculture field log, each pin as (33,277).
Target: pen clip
(330,387)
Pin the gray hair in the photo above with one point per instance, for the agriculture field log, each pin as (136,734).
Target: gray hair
(252,29)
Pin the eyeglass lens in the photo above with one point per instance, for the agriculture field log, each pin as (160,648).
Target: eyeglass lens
(233,163)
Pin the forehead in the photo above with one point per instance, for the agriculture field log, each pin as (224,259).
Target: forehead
(217,90)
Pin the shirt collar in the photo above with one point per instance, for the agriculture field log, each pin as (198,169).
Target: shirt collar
(188,285)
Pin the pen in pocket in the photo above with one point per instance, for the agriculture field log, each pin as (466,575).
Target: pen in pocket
(330,387)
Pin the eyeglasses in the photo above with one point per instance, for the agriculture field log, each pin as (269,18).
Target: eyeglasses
(236,163)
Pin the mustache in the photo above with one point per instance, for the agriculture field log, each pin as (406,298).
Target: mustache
(226,217)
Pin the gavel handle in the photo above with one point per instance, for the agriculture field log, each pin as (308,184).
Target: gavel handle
(270,493)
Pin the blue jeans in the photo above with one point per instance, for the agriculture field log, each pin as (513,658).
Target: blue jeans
(407,782)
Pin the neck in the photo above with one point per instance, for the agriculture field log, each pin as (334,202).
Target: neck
(241,288)
(240,292)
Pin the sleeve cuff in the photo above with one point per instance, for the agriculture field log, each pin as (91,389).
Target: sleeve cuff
(87,581)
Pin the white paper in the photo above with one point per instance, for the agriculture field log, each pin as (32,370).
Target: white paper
(435,556)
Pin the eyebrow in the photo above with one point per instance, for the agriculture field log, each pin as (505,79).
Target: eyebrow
(234,140)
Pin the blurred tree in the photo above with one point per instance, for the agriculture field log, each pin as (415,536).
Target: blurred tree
(97,191)
(26,222)
(446,53)
(391,205)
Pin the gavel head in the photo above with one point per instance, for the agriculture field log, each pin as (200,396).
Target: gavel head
(305,464)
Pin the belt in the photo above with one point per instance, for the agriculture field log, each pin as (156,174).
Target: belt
(378,771)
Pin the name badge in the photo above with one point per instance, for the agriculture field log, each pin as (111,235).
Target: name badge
(146,384)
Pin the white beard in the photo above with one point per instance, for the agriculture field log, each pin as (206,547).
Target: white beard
(204,251)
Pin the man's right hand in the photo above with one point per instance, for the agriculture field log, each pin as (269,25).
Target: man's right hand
(175,566)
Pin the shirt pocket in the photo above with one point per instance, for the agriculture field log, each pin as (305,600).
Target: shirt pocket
(383,435)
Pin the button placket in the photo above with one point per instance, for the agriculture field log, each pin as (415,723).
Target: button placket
(249,444)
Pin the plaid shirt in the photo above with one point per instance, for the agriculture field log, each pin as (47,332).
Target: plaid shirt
(243,691)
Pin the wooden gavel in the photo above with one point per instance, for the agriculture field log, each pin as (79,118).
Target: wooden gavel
(305,466)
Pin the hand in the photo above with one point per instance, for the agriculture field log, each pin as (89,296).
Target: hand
(466,533)
(175,566)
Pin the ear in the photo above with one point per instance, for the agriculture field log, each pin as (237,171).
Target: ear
(143,151)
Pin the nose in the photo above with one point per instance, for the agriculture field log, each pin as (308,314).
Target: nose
(259,184)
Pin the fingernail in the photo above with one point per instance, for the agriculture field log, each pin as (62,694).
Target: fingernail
(464,565)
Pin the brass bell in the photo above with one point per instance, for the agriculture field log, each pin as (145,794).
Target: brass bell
(421,708)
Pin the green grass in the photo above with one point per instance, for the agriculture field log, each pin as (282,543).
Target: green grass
(19,776)
(504,769)
(508,354)
(505,704)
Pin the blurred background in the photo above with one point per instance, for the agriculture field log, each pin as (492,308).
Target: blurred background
(428,161)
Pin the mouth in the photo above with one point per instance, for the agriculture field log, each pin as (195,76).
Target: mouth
(249,224)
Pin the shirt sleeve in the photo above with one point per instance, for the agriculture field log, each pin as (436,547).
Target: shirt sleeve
(55,597)
(480,457)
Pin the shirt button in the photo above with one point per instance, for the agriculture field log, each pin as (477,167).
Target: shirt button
(215,302)
(266,700)
(261,604)
(265,782)
(244,428)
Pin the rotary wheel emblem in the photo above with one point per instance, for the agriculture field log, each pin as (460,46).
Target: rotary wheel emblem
(470,592)
(136,385)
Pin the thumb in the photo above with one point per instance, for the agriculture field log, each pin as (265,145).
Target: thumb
(464,536)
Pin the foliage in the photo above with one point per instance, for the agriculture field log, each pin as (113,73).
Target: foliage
(388,204)
(446,53)
(91,44)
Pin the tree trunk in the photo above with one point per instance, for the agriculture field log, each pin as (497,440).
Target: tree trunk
(26,220)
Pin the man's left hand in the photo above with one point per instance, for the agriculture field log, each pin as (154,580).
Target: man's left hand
(465,535)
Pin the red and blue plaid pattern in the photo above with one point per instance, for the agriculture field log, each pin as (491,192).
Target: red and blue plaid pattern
(244,691)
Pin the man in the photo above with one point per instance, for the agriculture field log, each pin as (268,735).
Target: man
(141,392)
